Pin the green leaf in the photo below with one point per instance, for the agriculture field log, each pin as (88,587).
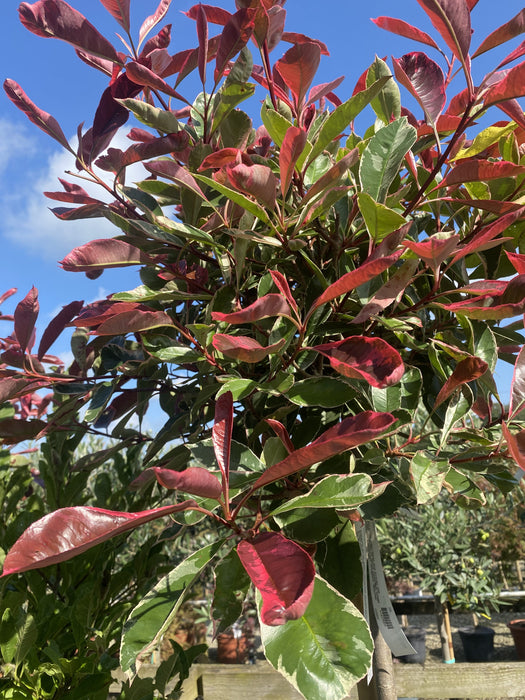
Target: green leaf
(235,129)
(18,631)
(387,104)
(239,388)
(335,491)
(176,353)
(458,407)
(332,557)
(341,117)
(142,200)
(229,97)
(379,219)
(383,156)
(153,615)
(387,399)
(236,197)
(327,392)
(231,585)
(324,653)
(428,475)
(161,119)
(277,126)
(203,455)
(308,525)
(484,139)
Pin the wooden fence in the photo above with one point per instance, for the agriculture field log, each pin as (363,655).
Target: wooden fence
(262,682)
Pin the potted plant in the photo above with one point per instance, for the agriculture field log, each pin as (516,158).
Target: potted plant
(517,630)
(305,290)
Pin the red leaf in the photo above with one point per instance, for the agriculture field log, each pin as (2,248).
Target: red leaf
(424,79)
(255,180)
(215,15)
(161,40)
(153,19)
(25,315)
(283,573)
(451,18)
(477,170)
(512,109)
(115,159)
(518,262)
(466,370)
(135,321)
(323,90)
(119,10)
(514,27)
(171,170)
(222,435)
(508,88)
(359,357)
(282,285)
(220,158)
(265,307)
(244,349)
(488,233)
(298,67)
(517,388)
(293,145)
(14,387)
(349,433)
(57,325)
(88,211)
(515,445)
(389,292)
(433,251)
(281,433)
(234,37)
(103,253)
(73,193)
(493,306)
(6,295)
(364,273)
(14,430)
(62,535)
(202,35)
(518,52)
(332,176)
(145,77)
(42,119)
(398,26)
(57,19)
(298,39)
(196,481)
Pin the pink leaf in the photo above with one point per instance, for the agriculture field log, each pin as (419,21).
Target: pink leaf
(57,19)
(222,435)
(215,15)
(298,67)
(398,26)
(136,321)
(119,10)
(153,19)
(466,370)
(293,145)
(508,88)
(62,535)
(220,158)
(451,18)
(391,291)
(424,79)
(234,37)
(42,119)
(171,170)
(477,170)
(514,27)
(323,90)
(488,233)
(265,307)
(433,251)
(115,159)
(283,573)
(202,35)
(359,357)
(73,193)
(103,253)
(57,325)
(299,39)
(364,273)
(332,176)
(244,349)
(196,481)
(349,433)
(25,315)
(255,180)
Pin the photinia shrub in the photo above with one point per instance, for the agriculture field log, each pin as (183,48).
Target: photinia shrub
(319,314)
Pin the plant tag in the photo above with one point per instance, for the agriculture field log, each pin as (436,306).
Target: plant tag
(381,605)
(360,531)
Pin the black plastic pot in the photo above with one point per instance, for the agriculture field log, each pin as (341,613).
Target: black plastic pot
(478,642)
(417,637)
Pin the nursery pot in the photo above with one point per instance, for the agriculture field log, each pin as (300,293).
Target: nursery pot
(417,637)
(517,629)
(478,642)
(231,649)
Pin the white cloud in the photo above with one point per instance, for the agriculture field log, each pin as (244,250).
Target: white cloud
(27,219)
(16,142)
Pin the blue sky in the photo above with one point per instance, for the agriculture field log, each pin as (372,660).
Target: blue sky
(32,239)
